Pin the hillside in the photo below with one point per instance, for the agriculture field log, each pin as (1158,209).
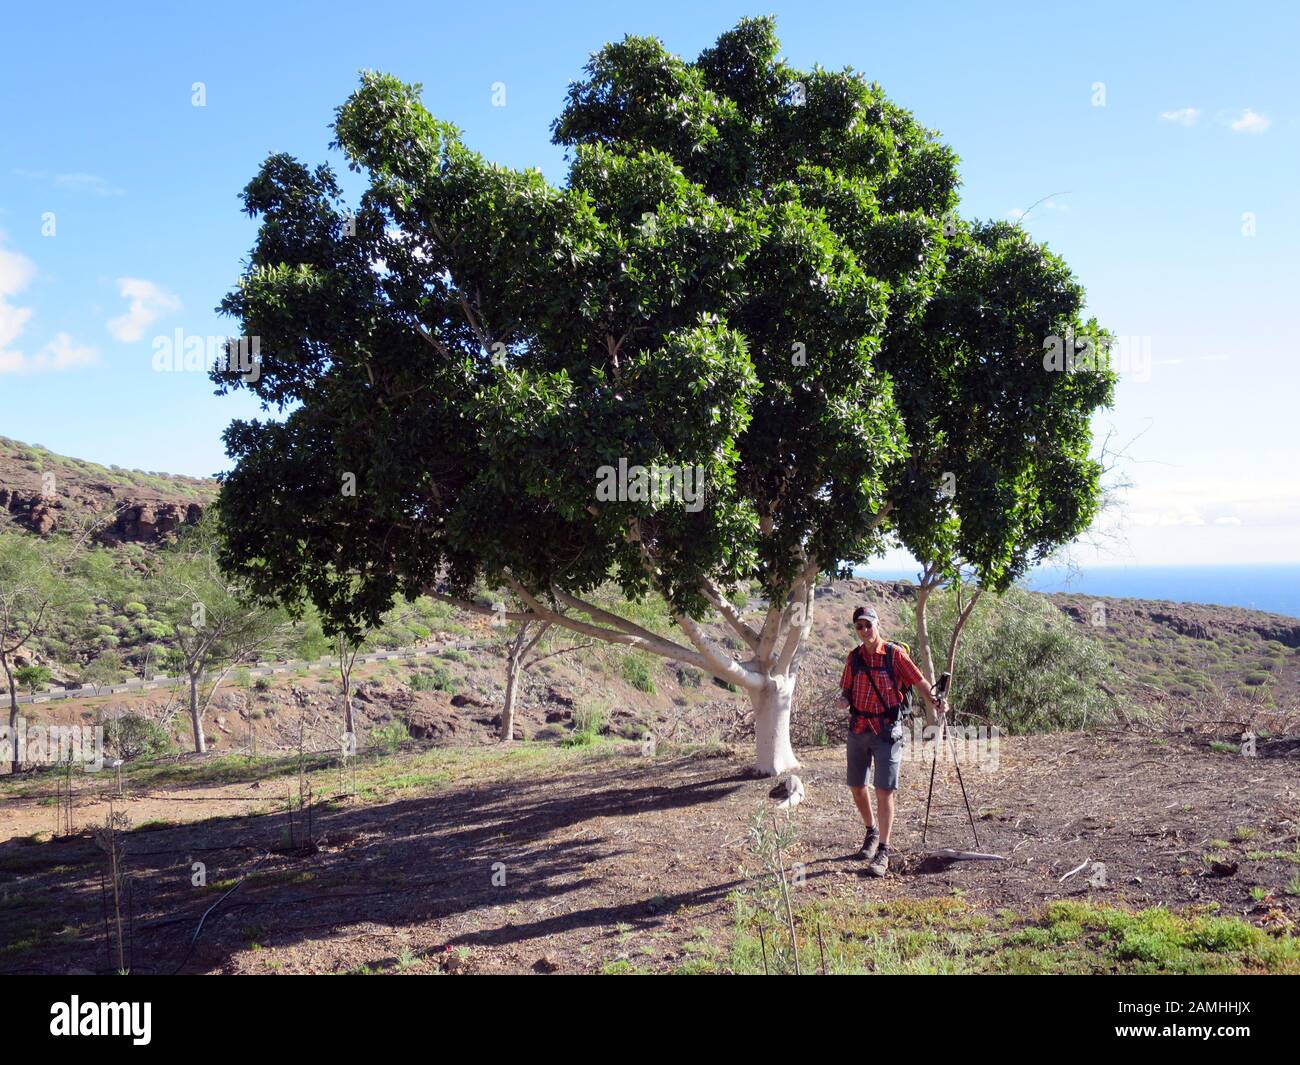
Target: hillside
(44,492)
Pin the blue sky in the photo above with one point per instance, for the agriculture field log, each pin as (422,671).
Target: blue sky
(1154,138)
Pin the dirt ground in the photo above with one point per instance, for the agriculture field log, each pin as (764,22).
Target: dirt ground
(570,860)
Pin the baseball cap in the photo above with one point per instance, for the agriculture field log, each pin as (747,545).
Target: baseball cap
(866,612)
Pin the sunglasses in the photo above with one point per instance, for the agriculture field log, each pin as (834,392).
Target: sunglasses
(863,624)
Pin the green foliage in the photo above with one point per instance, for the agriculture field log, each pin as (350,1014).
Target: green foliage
(710,288)
(435,678)
(104,671)
(1021,665)
(588,724)
(636,672)
(134,736)
(33,678)
(389,737)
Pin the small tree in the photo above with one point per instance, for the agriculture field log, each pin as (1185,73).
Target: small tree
(108,668)
(216,626)
(1000,379)
(33,678)
(34,589)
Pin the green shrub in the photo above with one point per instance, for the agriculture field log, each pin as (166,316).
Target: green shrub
(390,736)
(262,684)
(637,673)
(136,736)
(135,609)
(1024,667)
(435,678)
(33,678)
(588,722)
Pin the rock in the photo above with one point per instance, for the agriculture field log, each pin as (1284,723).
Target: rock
(545,964)
(461,699)
(1223,868)
(554,716)
(790,791)
(557,694)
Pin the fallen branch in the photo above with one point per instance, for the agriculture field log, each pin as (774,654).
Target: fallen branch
(1076,869)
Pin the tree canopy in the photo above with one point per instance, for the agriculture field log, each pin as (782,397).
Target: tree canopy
(752,271)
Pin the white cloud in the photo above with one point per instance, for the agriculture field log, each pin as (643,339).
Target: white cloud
(61,353)
(79,182)
(1184,116)
(91,183)
(1245,502)
(1251,122)
(16,272)
(148,302)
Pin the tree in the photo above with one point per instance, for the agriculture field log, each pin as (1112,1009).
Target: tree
(998,379)
(216,626)
(518,663)
(34,590)
(33,677)
(107,669)
(665,373)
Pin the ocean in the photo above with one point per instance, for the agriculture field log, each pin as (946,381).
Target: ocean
(1275,589)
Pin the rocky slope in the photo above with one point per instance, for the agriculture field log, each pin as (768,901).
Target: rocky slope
(43,492)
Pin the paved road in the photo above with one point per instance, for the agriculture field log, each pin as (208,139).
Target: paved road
(262,669)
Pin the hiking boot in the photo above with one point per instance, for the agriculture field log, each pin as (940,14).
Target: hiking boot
(870,844)
(880,863)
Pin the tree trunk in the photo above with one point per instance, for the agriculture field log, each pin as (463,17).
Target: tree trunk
(926,661)
(507,729)
(958,626)
(13,713)
(514,663)
(347,704)
(772,704)
(200,742)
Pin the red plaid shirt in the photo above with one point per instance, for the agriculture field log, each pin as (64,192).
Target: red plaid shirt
(857,686)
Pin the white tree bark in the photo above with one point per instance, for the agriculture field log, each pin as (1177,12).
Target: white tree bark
(772,705)
(196,716)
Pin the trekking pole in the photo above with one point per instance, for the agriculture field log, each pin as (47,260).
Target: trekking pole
(970,816)
(941,689)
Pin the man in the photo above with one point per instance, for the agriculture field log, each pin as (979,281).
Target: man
(873,698)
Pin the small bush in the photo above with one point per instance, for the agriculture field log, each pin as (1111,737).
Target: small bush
(33,678)
(136,736)
(637,674)
(436,678)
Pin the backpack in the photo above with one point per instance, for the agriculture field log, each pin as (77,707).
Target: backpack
(894,713)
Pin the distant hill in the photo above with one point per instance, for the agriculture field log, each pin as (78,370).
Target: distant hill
(44,492)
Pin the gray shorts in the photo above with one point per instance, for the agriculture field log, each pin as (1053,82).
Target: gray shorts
(865,748)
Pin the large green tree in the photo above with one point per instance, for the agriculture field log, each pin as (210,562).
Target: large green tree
(463,361)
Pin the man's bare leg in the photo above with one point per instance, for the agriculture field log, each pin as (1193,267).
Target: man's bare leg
(863,804)
(884,809)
